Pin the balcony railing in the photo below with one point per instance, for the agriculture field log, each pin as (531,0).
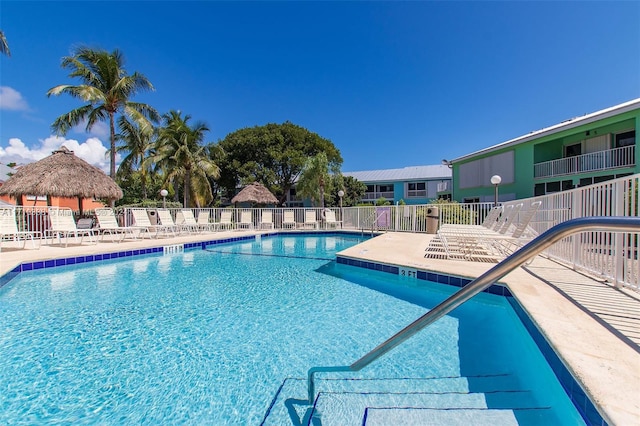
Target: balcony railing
(375,195)
(594,161)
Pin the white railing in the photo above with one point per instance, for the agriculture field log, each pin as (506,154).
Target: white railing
(594,161)
(613,256)
(372,196)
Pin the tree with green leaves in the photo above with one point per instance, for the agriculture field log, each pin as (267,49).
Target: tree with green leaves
(273,154)
(107,89)
(353,189)
(181,155)
(315,178)
(4,46)
(137,144)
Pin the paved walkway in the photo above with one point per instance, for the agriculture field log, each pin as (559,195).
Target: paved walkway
(594,328)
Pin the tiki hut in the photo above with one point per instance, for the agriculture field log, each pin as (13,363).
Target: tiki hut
(61,174)
(255,193)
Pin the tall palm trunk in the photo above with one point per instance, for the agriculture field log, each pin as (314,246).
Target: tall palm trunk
(187,180)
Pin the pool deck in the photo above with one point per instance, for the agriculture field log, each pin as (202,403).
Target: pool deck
(594,328)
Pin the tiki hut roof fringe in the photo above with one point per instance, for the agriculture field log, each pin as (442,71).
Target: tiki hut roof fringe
(255,193)
(61,174)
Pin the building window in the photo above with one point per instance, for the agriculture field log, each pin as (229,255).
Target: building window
(471,200)
(599,179)
(573,150)
(416,190)
(551,187)
(626,139)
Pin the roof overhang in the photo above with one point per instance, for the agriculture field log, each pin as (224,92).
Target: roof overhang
(565,125)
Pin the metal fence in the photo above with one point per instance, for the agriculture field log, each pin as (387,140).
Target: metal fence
(613,256)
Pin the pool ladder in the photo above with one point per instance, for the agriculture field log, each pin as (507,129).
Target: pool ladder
(520,257)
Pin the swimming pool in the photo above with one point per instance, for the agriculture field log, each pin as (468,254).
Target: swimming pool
(209,336)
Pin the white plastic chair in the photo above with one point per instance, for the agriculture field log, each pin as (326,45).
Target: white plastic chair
(63,225)
(9,229)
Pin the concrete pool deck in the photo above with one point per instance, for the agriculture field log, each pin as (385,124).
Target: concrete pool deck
(594,328)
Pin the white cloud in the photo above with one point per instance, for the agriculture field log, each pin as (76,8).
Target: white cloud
(100,129)
(11,99)
(93,151)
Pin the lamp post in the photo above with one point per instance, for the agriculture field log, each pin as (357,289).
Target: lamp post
(448,163)
(164,194)
(341,194)
(495,181)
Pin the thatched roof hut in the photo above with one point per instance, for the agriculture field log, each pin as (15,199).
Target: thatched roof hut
(61,174)
(255,193)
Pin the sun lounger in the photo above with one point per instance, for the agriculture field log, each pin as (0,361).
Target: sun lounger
(186,221)
(226,221)
(165,220)
(310,219)
(482,244)
(288,219)
(63,225)
(141,219)
(108,224)
(266,219)
(9,229)
(489,222)
(203,221)
(246,220)
(330,219)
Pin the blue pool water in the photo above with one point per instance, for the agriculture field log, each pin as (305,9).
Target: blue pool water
(208,336)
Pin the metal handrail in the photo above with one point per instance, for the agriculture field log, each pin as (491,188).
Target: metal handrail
(533,248)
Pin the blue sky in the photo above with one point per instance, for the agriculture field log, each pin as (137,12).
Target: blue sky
(391,84)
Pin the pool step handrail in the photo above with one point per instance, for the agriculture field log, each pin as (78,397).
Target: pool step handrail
(518,258)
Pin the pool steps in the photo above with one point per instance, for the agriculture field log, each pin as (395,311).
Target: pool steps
(490,400)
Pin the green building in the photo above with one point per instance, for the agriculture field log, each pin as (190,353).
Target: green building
(581,151)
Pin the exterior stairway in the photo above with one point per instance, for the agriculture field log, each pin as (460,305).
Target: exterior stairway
(482,400)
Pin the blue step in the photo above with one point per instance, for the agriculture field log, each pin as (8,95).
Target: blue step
(423,417)
(347,408)
(343,401)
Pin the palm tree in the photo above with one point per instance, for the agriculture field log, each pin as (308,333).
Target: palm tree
(4,47)
(107,89)
(315,177)
(138,141)
(180,153)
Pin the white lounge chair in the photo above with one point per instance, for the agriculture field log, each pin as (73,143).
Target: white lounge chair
(489,222)
(330,219)
(289,219)
(246,220)
(226,220)
(186,221)
(266,219)
(63,225)
(203,221)
(310,219)
(141,219)
(480,243)
(9,229)
(165,220)
(108,224)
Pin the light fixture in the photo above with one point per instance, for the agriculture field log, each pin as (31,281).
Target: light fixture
(341,194)
(495,181)
(164,194)
(447,163)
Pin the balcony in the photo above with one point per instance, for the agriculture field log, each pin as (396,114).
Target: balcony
(594,161)
(372,196)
